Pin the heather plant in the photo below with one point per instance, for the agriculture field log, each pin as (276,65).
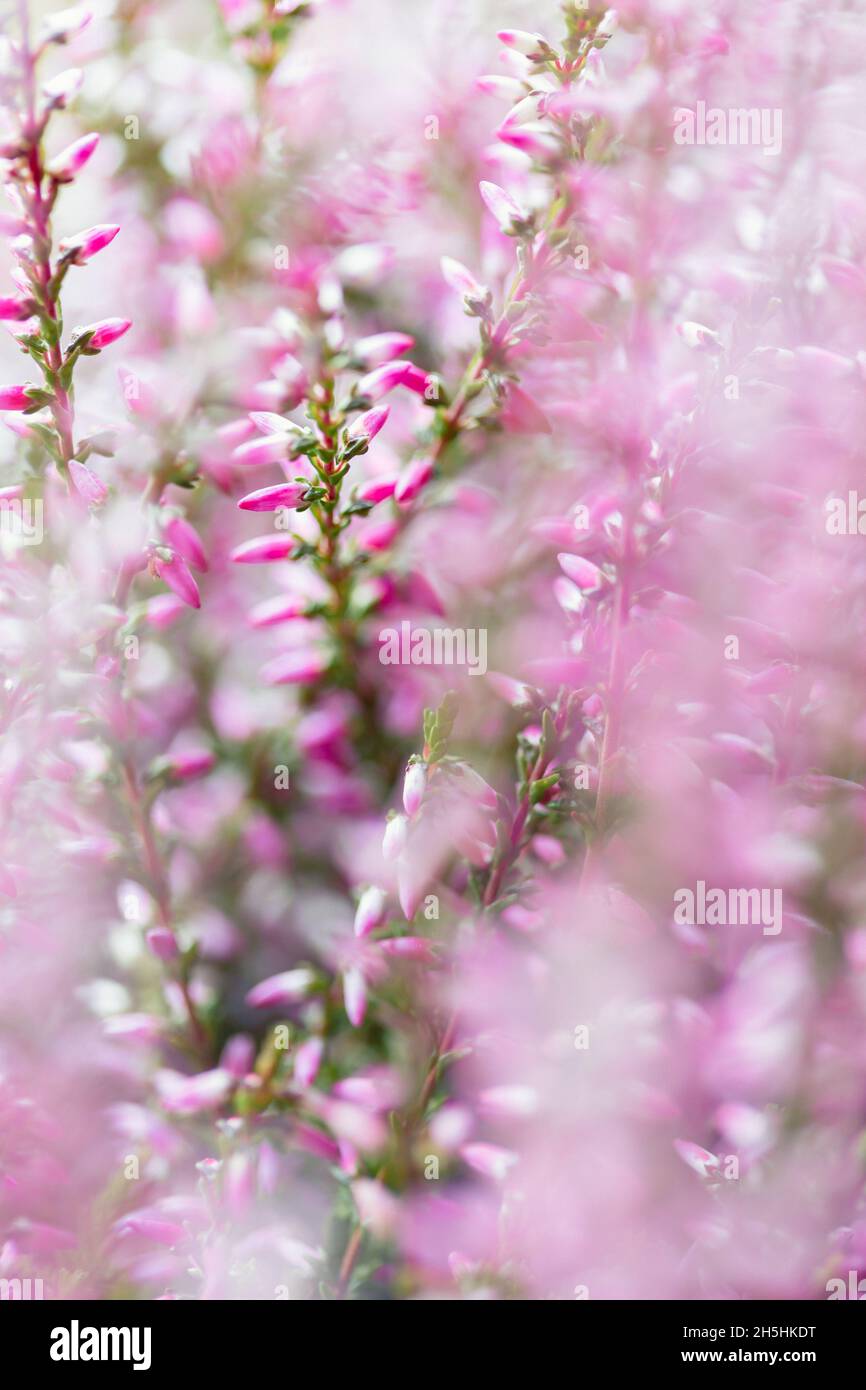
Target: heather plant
(432,758)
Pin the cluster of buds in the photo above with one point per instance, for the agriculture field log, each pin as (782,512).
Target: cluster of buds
(33,312)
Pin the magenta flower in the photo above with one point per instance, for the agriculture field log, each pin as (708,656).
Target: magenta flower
(87,484)
(295,668)
(263,550)
(183,538)
(368,425)
(281,609)
(413,480)
(380,348)
(382,380)
(270,499)
(15,398)
(173,570)
(271,448)
(105,332)
(378,489)
(521,41)
(72,160)
(278,991)
(15,310)
(80,248)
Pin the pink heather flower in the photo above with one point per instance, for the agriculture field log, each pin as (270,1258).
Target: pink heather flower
(83,245)
(168,1233)
(368,425)
(370,912)
(239,1055)
(295,667)
(14,310)
(105,332)
(308,1060)
(14,398)
(60,90)
(281,609)
(415,380)
(191,763)
(521,41)
(67,164)
(268,422)
(695,335)
(263,550)
(183,537)
(87,484)
(408,948)
(278,990)
(414,784)
(190,1095)
(354,996)
(489,1160)
(270,499)
(462,280)
(700,1160)
(162,943)
(270,448)
(378,536)
(63,25)
(381,347)
(395,837)
(522,415)
(582,572)
(535,140)
(506,211)
(163,610)
(378,489)
(413,480)
(496,85)
(174,571)
(382,380)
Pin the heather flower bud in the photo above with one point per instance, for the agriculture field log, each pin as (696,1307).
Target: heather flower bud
(183,537)
(522,41)
(354,996)
(172,569)
(270,448)
(378,489)
(370,912)
(281,609)
(105,332)
(368,425)
(60,90)
(262,550)
(63,25)
(79,248)
(584,573)
(414,784)
(463,281)
(87,484)
(395,837)
(162,943)
(308,1060)
(70,161)
(413,480)
(276,991)
(499,86)
(382,380)
(295,668)
(409,948)
(14,398)
(381,347)
(269,499)
(507,212)
(15,310)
